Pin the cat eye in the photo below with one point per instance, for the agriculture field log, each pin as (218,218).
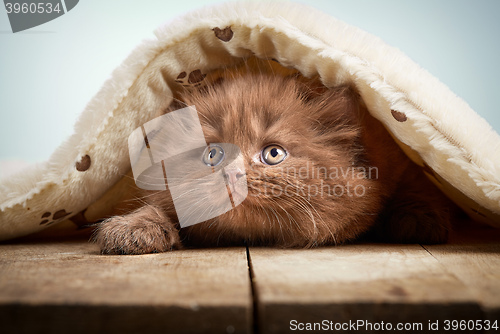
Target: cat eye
(273,154)
(213,155)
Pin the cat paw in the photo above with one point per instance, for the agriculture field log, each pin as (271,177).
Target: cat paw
(122,236)
(419,227)
(414,223)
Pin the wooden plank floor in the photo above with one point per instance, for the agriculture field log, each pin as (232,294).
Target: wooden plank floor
(66,286)
(60,284)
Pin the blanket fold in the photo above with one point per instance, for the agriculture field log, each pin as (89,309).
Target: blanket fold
(90,172)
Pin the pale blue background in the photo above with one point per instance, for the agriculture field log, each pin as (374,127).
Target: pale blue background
(49,73)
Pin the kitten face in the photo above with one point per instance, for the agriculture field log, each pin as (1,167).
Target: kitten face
(317,172)
(305,167)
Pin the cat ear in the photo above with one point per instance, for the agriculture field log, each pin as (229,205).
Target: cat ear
(176,104)
(336,117)
(206,89)
(339,105)
(310,89)
(336,102)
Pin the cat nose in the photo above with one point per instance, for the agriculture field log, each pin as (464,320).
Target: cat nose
(233,175)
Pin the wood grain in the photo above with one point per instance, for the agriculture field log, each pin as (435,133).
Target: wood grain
(473,257)
(370,282)
(67,286)
(58,283)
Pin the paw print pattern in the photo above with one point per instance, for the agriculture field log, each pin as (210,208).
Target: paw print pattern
(56,217)
(224,35)
(194,79)
(83,164)
(398,116)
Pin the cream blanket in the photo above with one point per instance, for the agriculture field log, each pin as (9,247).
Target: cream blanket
(87,175)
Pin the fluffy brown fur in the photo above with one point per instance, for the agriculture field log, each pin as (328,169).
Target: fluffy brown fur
(321,134)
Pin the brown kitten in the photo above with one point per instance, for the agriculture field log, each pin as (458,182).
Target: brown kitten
(341,175)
